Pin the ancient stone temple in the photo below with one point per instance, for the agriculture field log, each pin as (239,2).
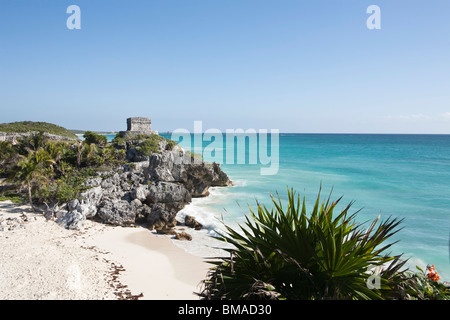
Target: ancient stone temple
(139,125)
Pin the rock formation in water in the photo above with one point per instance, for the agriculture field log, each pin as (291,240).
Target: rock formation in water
(149,189)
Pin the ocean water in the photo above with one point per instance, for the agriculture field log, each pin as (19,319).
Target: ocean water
(110,137)
(401,176)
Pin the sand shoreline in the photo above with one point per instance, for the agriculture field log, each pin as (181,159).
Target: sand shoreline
(40,260)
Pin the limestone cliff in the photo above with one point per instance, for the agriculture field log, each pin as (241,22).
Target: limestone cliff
(151,190)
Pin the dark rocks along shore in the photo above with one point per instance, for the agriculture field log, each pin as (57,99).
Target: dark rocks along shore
(148,192)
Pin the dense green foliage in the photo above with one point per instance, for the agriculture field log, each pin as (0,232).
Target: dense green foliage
(148,146)
(54,171)
(285,253)
(145,144)
(44,170)
(92,137)
(426,289)
(29,126)
(13,197)
(8,157)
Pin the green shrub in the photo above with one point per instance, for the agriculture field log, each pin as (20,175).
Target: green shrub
(9,156)
(29,126)
(13,197)
(65,191)
(118,140)
(283,253)
(171,144)
(32,142)
(426,288)
(148,146)
(92,137)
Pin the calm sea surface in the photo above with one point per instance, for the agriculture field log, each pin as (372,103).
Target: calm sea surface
(403,176)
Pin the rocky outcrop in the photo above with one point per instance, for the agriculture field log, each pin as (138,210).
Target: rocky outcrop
(190,222)
(161,218)
(72,220)
(119,212)
(183,236)
(180,167)
(152,191)
(14,137)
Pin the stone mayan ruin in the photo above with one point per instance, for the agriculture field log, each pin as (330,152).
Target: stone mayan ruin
(139,125)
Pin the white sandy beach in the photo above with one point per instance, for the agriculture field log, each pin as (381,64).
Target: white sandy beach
(41,260)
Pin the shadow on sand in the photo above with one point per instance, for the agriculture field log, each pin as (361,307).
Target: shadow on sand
(9,207)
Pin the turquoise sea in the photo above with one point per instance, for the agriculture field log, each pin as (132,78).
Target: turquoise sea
(403,176)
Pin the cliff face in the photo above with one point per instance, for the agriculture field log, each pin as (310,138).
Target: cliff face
(151,191)
(14,137)
(179,167)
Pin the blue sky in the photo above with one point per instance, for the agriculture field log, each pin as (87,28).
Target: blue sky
(296,66)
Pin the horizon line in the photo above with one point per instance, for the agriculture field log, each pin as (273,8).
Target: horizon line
(297,133)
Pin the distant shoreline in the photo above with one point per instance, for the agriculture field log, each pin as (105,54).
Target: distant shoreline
(81,132)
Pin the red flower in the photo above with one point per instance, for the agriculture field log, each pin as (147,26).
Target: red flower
(432,274)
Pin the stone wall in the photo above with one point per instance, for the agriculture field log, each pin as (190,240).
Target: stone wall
(139,124)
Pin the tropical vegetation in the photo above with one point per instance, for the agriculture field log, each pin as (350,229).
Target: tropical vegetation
(43,170)
(288,253)
(32,126)
(96,138)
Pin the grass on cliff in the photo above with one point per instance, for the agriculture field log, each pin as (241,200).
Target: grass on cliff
(145,144)
(29,126)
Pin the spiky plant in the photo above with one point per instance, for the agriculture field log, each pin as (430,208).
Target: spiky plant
(285,253)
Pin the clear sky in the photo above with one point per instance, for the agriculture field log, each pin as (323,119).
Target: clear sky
(296,66)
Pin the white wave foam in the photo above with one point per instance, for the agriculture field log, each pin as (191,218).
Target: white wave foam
(207,217)
(240,183)
(206,211)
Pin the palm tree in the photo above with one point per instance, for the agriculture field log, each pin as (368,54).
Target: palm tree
(283,253)
(79,149)
(56,151)
(31,171)
(33,142)
(8,156)
(91,152)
